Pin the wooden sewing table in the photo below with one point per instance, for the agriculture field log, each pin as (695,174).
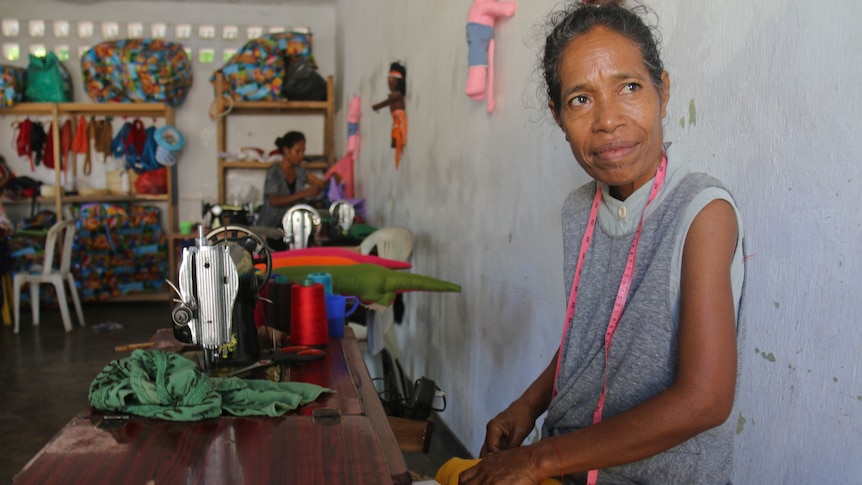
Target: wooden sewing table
(341,438)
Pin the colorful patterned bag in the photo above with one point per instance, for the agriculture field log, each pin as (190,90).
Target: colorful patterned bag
(256,71)
(137,70)
(119,248)
(13,82)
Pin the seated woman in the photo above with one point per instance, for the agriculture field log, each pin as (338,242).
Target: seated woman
(287,182)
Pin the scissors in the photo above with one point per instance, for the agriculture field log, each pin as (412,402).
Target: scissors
(286,355)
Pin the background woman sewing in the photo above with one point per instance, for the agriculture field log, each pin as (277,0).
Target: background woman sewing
(287,182)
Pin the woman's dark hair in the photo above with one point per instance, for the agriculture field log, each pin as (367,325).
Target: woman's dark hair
(400,83)
(289,139)
(579,19)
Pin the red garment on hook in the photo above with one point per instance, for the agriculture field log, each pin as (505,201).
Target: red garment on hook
(137,136)
(48,157)
(65,146)
(22,143)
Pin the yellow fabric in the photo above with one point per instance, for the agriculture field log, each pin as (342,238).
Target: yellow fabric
(450,471)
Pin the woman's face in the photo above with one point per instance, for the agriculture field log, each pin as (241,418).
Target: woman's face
(611,111)
(295,154)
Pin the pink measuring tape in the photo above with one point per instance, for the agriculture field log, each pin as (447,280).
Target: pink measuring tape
(622,292)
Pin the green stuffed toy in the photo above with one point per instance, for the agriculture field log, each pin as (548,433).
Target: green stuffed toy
(370,282)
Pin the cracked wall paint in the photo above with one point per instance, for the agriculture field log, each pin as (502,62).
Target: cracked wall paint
(740,424)
(770,356)
(692,113)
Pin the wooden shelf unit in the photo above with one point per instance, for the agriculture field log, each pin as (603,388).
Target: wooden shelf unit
(143,110)
(319,108)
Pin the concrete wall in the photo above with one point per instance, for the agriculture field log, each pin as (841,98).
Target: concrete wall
(763,96)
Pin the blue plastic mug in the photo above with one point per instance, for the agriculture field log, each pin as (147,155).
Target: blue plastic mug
(337,312)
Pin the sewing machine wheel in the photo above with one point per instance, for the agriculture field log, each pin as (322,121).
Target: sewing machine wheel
(239,235)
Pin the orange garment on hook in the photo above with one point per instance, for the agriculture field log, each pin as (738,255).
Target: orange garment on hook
(81,144)
(399,133)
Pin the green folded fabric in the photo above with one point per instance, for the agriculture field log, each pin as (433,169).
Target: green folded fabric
(360,230)
(370,282)
(258,397)
(166,385)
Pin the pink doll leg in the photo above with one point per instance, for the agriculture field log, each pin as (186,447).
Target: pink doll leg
(491,102)
(476,76)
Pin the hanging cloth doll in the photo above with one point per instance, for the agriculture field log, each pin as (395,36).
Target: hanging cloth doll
(397,90)
(481,18)
(344,167)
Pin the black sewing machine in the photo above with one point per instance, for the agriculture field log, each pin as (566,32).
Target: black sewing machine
(218,288)
(227,215)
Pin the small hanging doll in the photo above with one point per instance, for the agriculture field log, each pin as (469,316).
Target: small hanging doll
(482,16)
(343,169)
(397,90)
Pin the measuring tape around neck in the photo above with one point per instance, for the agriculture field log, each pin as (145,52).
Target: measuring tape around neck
(622,291)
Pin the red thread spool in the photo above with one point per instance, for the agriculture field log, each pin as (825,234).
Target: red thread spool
(308,314)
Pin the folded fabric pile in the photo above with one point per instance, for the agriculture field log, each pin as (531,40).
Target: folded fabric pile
(331,256)
(166,385)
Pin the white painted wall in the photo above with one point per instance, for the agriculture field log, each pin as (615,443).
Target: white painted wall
(763,96)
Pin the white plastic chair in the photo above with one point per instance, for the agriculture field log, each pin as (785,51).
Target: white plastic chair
(64,232)
(392,243)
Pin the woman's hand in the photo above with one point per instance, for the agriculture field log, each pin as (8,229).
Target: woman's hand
(508,429)
(511,467)
(316,183)
(311,191)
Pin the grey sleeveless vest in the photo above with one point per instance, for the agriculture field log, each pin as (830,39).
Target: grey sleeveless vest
(644,348)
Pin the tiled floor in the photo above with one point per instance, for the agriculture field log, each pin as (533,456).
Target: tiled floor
(46,375)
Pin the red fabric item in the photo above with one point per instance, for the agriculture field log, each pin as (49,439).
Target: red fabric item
(48,157)
(344,253)
(344,169)
(153,182)
(22,143)
(81,144)
(137,136)
(65,146)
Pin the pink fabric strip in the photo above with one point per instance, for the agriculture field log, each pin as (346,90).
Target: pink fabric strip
(622,292)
